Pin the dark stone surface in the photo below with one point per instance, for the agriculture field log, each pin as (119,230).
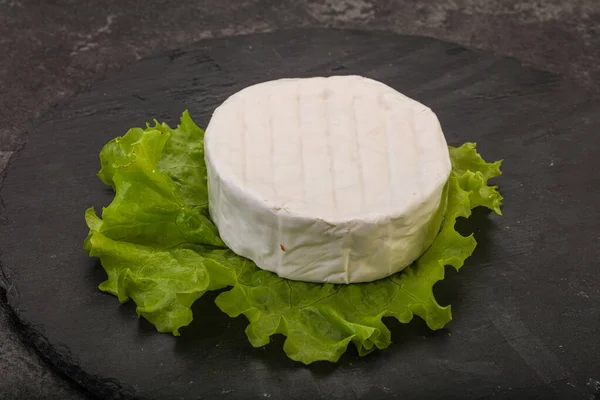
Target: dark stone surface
(54,49)
(524,326)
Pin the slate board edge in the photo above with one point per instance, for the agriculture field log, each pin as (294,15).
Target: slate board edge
(34,337)
(61,362)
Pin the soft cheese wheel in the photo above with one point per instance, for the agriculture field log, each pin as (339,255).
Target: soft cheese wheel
(339,179)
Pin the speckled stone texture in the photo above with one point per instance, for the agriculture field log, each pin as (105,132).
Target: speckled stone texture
(54,49)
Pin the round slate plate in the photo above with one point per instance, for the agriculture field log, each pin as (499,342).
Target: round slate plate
(526,305)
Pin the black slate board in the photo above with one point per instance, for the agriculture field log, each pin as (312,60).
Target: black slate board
(526,305)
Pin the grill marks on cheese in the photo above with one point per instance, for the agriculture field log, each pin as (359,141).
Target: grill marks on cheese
(339,170)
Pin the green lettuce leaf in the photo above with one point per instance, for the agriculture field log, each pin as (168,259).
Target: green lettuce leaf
(158,247)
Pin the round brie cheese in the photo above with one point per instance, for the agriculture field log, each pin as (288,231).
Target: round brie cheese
(339,179)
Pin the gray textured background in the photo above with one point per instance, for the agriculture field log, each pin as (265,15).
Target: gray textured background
(51,51)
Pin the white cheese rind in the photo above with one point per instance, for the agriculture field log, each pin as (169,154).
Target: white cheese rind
(337,179)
